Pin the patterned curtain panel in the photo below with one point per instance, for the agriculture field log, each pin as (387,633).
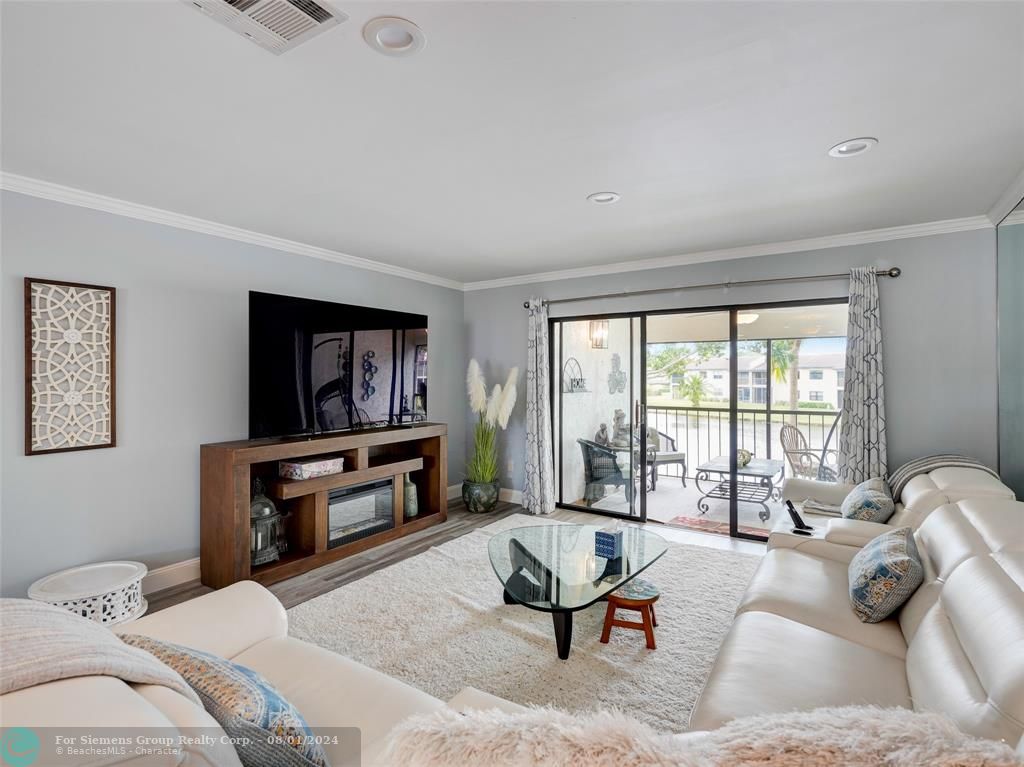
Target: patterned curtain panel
(862,453)
(539,490)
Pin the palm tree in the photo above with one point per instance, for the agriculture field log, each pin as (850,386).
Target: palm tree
(786,359)
(695,389)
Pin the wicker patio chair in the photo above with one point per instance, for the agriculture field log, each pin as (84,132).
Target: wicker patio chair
(601,468)
(805,462)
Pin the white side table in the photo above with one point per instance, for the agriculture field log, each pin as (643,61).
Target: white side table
(106,592)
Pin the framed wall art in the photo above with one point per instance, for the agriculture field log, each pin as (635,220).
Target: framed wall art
(69,366)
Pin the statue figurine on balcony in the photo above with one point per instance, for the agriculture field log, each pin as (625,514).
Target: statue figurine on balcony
(601,437)
(620,432)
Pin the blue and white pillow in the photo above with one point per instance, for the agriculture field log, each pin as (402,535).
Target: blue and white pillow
(884,575)
(244,704)
(870,501)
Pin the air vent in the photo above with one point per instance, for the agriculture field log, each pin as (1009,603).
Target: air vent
(276,25)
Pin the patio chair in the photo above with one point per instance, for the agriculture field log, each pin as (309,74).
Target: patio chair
(805,462)
(601,468)
(658,456)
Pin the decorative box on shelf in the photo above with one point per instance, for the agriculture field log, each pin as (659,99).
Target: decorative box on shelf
(310,468)
(608,543)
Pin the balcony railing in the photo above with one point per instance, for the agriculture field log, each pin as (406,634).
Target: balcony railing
(703,432)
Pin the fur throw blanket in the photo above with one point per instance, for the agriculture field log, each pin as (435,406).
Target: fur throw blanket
(855,736)
(41,643)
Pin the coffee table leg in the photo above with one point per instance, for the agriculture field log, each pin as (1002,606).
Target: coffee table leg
(563,632)
(507,597)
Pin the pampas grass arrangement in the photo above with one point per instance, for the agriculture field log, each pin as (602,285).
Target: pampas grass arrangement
(493,412)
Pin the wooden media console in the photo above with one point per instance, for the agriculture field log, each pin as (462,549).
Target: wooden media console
(228,470)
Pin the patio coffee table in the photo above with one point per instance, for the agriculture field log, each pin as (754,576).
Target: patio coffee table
(553,569)
(764,476)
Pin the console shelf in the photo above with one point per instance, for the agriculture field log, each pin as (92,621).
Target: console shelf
(293,488)
(227,471)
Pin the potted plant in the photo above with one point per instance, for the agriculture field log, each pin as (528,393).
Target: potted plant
(480,488)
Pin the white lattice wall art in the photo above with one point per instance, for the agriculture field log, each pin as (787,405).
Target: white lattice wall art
(69,356)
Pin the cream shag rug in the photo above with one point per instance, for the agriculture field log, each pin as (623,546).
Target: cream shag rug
(437,621)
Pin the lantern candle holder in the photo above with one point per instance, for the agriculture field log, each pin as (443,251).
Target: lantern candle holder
(265,529)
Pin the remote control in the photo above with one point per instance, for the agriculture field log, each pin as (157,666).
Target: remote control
(798,521)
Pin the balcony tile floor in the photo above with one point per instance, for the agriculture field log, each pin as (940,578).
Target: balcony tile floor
(673,504)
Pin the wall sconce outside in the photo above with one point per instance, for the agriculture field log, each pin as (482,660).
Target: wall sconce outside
(599,334)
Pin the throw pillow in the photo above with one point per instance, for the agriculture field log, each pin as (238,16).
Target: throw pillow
(884,574)
(853,736)
(870,501)
(244,704)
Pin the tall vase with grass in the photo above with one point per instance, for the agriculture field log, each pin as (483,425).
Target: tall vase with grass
(480,488)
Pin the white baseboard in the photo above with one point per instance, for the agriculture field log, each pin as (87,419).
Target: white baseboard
(454,491)
(172,575)
(510,495)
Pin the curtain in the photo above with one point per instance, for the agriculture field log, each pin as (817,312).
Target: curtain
(862,453)
(539,489)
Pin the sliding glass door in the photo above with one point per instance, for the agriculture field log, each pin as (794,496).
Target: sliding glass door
(689,397)
(696,418)
(789,390)
(597,413)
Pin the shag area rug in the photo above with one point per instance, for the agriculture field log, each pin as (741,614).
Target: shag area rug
(437,621)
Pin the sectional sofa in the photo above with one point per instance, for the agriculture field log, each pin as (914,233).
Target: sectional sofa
(956,647)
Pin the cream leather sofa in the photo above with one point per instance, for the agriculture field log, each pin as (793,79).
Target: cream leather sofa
(832,537)
(956,647)
(246,623)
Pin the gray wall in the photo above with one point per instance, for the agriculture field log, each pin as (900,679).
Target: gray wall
(939,324)
(182,361)
(1011,356)
(182,375)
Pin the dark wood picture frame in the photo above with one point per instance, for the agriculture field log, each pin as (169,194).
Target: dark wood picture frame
(29,282)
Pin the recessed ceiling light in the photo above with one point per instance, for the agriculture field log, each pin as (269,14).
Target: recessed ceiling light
(604,198)
(393,36)
(852,147)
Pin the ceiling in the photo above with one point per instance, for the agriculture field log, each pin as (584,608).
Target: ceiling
(473,159)
(818,321)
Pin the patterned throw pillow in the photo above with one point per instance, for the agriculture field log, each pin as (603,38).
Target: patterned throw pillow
(244,704)
(870,501)
(884,574)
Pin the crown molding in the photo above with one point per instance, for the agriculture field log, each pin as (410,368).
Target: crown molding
(1017,217)
(69,195)
(1008,200)
(747,251)
(79,197)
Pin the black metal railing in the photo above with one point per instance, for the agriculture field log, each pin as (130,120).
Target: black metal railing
(703,433)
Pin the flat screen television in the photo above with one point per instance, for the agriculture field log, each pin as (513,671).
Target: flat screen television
(318,366)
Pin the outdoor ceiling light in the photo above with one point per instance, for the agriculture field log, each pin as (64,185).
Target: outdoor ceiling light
(745,318)
(852,147)
(599,334)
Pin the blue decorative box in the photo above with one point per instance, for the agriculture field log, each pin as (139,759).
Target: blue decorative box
(608,544)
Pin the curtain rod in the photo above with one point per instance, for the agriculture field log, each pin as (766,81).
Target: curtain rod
(892,272)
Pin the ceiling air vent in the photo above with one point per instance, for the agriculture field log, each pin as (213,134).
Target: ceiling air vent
(277,25)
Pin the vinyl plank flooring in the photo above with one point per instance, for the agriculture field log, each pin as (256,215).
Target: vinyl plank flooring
(309,585)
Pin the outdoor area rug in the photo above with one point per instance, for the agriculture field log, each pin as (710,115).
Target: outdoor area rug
(437,622)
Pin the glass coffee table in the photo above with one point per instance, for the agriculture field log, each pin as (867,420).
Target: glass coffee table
(553,568)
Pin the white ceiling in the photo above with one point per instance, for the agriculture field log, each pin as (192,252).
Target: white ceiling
(473,159)
(821,321)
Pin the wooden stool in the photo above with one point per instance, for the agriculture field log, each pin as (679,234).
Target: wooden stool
(636,595)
